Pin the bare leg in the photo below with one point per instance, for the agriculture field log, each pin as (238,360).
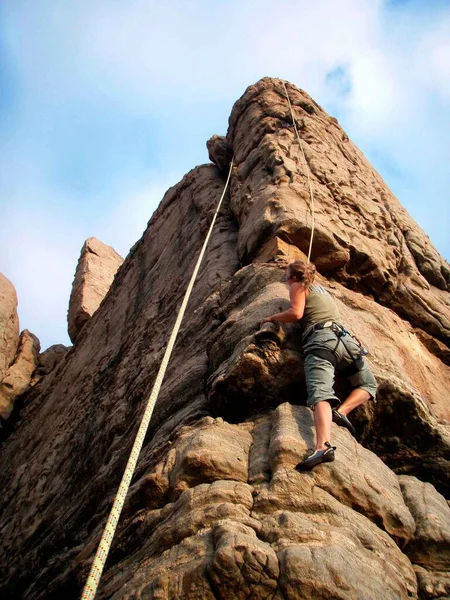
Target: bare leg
(355,399)
(322,422)
(324,452)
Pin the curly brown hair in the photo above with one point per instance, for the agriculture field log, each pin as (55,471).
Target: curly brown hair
(304,272)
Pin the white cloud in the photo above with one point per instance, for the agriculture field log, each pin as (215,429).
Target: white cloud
(433,54)
(39,248)
(38,254)
(127,221)
(149,51)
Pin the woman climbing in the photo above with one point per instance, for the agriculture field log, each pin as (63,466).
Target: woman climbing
(327,346)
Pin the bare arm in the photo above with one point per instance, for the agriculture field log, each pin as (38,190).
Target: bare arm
(297,295)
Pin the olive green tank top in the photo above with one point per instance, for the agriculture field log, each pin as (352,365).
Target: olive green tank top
(319,308)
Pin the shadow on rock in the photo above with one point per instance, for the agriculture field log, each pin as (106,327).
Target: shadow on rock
(406,435)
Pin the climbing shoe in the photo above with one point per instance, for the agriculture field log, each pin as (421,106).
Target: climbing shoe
(342,421)
(319,456)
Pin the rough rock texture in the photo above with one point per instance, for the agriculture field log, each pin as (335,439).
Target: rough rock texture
(248,525)
(216,509)
(49,359)
(18,377)
(18,353)
(97,266)
(220,152)
(407,427)
(9,325)
(429,548)
(363,237)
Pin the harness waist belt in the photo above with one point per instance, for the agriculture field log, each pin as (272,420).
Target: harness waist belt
(325,325)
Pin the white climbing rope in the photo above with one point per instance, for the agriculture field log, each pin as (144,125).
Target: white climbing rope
(90,589)
(306,171)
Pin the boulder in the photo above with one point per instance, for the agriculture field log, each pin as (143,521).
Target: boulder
(220,152)
(49,359)
(97,266)
(9,325)
(18,377)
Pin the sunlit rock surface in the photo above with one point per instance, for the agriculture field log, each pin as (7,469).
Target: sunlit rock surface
(9,324)
(97,266)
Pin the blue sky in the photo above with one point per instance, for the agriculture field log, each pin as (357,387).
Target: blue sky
(106,103)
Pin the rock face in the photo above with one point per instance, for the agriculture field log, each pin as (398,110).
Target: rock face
(18,377)
(48,360)
(240,514)
(216,509)
(429,548)
(363,237)
(51,357)
(18,353)
(97,266)
(9,325)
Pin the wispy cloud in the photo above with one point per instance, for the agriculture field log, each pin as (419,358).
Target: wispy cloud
(39,249)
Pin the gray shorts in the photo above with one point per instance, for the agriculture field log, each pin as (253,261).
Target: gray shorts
(319,373)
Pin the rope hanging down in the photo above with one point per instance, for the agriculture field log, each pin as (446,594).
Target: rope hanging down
(90,589)
(306,171)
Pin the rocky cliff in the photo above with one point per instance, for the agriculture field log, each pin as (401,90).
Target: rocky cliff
(216,509)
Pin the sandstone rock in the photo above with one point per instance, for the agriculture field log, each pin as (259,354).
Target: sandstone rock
(18,377)
(220,152)
(286,532)
(9,325)
(97,266)
(430,546)
(48,359)
(406,434)
(100,389)
(358,479)
(429,549)
(363,236)
(434,346)
(216,508)
(216,452)
(278,251)
(433,584)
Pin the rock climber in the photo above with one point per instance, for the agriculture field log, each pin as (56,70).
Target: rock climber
(327,346)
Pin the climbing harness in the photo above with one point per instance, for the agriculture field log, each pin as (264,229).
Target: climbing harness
(331,355)
(311,195)
(90,589)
